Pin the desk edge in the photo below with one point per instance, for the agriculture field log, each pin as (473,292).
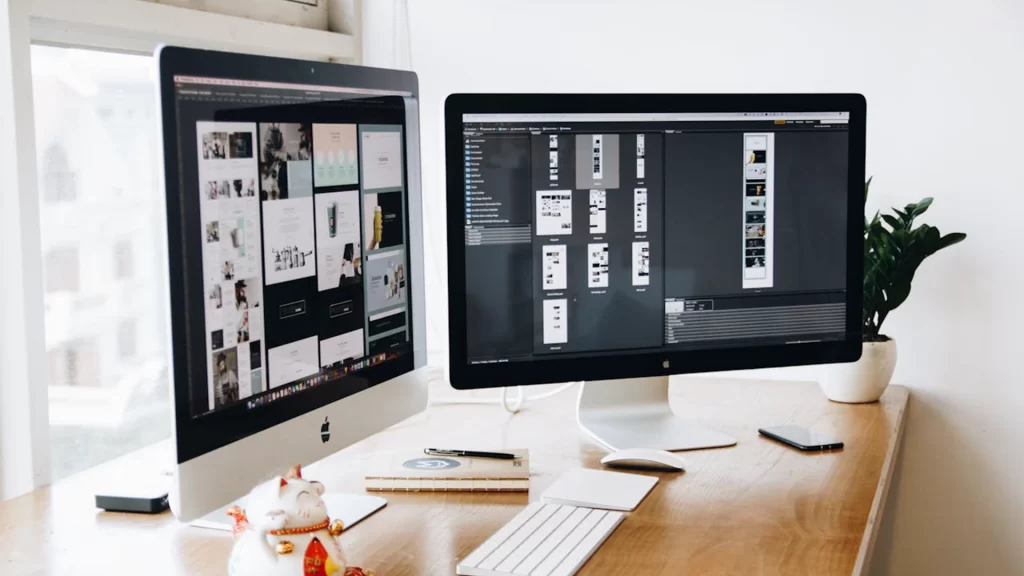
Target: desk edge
(867,543)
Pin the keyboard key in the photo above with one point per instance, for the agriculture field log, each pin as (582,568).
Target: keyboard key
(556,537)
(513,542)
(542,540)
(588,545)
(501,535)
(569,544)
(535,539)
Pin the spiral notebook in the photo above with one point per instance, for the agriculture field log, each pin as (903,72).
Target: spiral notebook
(414,471)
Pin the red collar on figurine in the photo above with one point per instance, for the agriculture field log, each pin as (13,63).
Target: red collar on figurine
(302,530)
(242,523)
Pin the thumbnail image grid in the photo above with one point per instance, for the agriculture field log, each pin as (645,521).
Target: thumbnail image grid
(336,157)
(285,166)
(555,321)
(553,158)
(229,208)
(598,212)
(640,210)
(338,246)
(597,265)
(757,197)
(554,275)
(381,157)
(554,212)
(640,156)
(385,279)
(641,263)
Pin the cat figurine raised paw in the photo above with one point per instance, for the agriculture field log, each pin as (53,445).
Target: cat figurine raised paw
(285,531)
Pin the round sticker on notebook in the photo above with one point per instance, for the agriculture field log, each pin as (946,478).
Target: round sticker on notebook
(431,464)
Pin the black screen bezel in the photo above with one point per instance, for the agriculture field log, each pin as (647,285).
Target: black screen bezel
(465,376)
(197,436)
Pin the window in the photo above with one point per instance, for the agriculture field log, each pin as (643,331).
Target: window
(99,164)
(73,364)
(56,178)
(122,257)
(62,270)
(126,339)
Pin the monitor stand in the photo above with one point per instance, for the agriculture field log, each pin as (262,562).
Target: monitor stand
(635,413)
(349,508)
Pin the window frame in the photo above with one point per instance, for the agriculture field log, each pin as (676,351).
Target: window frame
(129,26)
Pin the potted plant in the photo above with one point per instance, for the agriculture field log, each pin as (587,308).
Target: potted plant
(893,250)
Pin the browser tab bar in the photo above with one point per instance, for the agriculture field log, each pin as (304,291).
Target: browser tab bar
(835,117)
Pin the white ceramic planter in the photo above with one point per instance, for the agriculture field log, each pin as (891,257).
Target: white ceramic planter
(864,380)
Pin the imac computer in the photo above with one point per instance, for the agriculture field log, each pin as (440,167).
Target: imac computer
(295,266)
(618,239)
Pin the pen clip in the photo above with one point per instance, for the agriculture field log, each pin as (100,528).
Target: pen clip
(436,452)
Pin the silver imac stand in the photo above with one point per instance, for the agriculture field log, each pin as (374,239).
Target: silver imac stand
(635,413)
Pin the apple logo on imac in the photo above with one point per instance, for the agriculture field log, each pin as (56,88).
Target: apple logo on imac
(325,431)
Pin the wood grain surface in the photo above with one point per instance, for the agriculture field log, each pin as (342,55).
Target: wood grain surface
(756,508)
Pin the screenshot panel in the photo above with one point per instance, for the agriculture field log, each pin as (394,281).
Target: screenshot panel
(595,234)
(300,192)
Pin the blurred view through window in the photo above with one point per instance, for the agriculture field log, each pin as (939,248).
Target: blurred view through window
(100,192)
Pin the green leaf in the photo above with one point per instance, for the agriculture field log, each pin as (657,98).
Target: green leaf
(901,237)
(921,206)
(952,238)
(893,221)
(930,240)
(894,249)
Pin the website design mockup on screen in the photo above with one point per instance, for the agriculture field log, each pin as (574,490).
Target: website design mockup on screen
(595,234)
(303,236)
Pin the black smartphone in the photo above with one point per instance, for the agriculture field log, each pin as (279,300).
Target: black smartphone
(801,438)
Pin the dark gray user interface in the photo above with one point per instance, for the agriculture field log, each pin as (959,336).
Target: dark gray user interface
(590,234)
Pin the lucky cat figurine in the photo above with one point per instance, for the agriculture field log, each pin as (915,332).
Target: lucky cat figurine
(284,531)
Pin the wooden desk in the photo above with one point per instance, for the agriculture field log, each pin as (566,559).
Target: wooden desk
(756,508)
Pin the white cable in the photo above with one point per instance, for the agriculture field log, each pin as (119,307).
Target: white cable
(403,7)
(521,398)
(519,401)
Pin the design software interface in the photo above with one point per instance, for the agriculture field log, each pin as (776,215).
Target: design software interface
(591,234)
(299,196)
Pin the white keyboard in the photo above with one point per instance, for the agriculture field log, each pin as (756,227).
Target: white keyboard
(542,540)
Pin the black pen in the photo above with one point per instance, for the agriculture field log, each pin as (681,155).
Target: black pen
(469,454)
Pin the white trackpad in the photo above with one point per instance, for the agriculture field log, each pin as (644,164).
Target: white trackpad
(349,508)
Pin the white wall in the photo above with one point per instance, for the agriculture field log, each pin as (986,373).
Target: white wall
(943,84)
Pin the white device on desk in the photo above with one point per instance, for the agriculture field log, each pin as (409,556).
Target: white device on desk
(542,540)
(645,458)
(600,489)
(580,510)
(627,333)
(295,267)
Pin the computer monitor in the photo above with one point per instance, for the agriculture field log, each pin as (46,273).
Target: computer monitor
(295,263)
(618,239)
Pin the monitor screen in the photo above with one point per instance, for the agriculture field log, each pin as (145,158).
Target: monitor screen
(590,234)
(294,204)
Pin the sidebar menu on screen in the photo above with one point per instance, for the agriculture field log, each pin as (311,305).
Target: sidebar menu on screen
(499,228)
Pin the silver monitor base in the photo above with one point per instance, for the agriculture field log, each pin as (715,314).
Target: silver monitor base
(635,413)
(349,508)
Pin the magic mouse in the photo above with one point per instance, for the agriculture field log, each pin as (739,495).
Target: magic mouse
(644,458)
